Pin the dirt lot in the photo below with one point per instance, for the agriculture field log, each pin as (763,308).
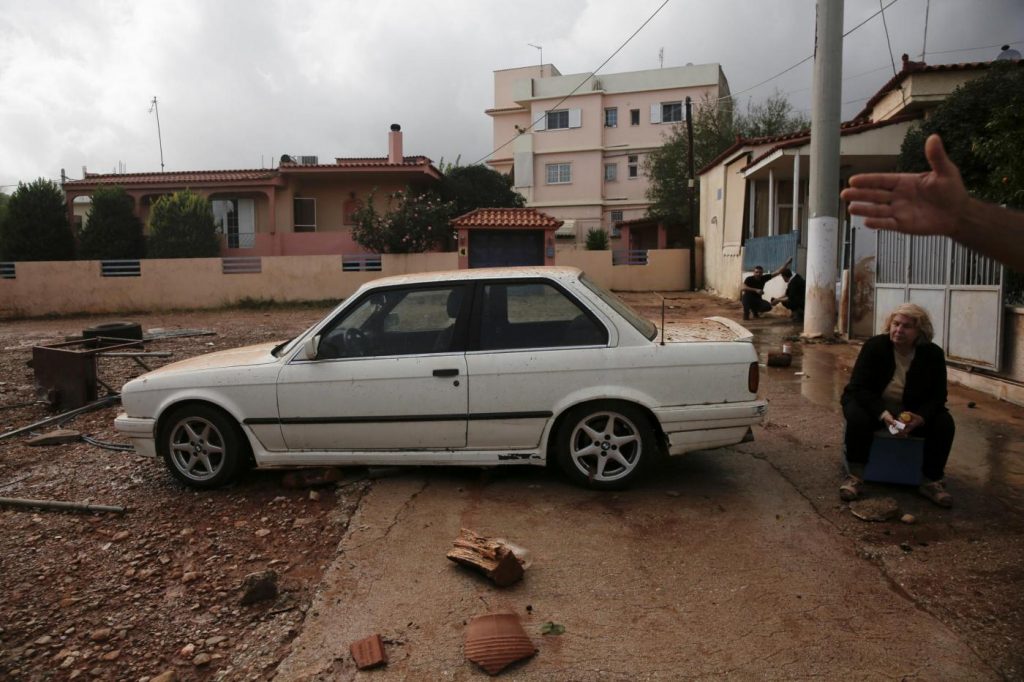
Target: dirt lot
(128,597)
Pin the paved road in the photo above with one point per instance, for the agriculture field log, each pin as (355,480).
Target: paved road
(738,563)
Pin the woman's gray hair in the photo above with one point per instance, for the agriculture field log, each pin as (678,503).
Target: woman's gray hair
(920,317)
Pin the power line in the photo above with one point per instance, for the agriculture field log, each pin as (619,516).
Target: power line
(582,83)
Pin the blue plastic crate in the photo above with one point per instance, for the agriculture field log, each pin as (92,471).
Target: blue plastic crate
(895,460)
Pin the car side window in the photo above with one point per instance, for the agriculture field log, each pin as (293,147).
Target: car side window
(534,315)
(408,321)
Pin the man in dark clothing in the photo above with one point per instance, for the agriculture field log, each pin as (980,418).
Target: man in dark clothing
(899,381)
(752,291)
(793,299)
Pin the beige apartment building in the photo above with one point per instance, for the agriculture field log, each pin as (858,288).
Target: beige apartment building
(576,144)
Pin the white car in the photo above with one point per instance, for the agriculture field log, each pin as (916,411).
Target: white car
(473,367)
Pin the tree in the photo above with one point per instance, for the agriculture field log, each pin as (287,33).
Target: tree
(477,186)
(111,231)
(412,223)
(4,198)
(182,226)
(36,225)
(716,126)
(597,239)
(982,128)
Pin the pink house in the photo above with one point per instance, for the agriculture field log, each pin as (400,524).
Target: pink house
(302,207)
(577,143)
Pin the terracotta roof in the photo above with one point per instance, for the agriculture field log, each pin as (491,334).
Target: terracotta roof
(180,177)
(848,128)
(361,162)
(510,218)
(912,67)
(801,137)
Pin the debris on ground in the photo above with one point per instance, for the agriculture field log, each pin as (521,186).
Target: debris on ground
(59,505)
(908,519)
(550,628)
(259,586)
(497,640)
(494,558)
(779,359)
(312,478)
(875,509)
(368,652)
(55,437)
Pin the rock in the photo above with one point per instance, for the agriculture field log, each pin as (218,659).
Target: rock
(875,509)
(304,521)
(201,659)
(258,586)
(123,535)
(111,655)
(189,577)
(214,641)
(55,437)
(187,651)
(262,532)
(43,641)
(101,635)
(166,676)
(908,518)
(314,495)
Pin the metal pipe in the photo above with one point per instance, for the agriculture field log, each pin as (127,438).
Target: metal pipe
(95,405)
(57,504)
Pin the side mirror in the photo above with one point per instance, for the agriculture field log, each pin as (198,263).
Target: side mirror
(309,347)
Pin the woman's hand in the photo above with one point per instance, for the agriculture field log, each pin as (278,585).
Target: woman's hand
(916,421)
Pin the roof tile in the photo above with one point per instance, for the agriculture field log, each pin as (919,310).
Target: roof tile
(509,218)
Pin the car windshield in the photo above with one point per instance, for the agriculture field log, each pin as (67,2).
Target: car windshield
(644,326)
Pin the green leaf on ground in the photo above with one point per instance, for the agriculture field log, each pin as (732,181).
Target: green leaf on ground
(550,628)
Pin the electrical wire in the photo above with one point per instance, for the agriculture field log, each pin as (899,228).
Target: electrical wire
(583,82)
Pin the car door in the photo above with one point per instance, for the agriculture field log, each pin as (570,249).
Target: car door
(532,343)
(390,374)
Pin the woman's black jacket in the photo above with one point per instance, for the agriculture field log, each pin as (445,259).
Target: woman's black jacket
(924,391)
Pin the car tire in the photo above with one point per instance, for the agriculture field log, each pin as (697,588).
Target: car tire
(202,446)
(606,445)
(114,330)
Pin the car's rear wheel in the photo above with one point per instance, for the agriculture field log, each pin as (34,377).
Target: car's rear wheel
(606,445)
(201,446)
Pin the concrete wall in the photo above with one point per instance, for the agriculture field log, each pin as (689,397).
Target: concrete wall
(71,287)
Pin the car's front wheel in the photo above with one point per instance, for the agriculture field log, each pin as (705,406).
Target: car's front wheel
(606,445)
(201,446)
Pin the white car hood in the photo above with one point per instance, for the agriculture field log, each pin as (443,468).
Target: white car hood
(246,356)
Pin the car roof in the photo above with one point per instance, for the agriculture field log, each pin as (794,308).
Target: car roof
(562,273)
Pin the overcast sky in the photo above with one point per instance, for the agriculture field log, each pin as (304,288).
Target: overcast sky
(241,82)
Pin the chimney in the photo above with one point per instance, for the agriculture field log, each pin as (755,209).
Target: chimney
(395,144)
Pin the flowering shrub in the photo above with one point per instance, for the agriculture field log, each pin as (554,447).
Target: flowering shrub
(412,223)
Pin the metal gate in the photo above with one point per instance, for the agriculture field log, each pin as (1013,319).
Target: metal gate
(961,290)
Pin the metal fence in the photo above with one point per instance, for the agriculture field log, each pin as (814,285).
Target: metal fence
(361,263)
(120,268)
(770,252)
(629,257)
(241,265)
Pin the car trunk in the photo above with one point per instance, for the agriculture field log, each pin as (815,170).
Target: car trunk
(708,329)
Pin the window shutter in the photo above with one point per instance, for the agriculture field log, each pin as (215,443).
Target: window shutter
(655,113)
(541,120)
(523,172)
(575,118)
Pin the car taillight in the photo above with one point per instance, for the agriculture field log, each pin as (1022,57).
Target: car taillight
(753,378)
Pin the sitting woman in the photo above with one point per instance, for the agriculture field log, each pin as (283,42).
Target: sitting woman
(899,377)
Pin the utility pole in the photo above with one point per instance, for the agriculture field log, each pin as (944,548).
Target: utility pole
(691,196)
(823,199)
(159,137)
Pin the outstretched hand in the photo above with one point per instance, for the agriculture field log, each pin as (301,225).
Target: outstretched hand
(913,203)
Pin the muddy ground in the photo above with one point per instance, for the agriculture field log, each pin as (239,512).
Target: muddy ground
(157,589)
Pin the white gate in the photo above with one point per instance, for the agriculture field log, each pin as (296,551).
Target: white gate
(961,290)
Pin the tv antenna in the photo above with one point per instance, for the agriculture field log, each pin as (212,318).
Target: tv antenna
(541,48)
(154,108)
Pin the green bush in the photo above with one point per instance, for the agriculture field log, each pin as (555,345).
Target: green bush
(413,223)
(597,239)
(36,224)
(182,226)
(112,231)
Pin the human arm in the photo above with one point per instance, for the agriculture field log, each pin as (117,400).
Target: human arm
(871,373)
(778,270)
(937,203)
